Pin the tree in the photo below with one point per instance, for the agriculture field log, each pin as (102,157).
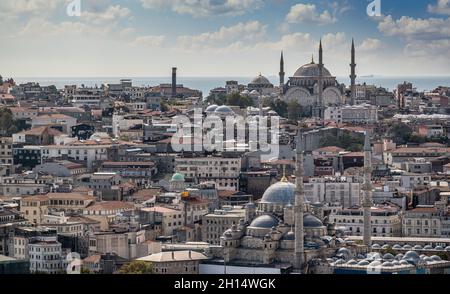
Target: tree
(346,141)
(137,268)
(1,80)
(294,110)
(216,99)
(280,107)
(400,133)
(9,126)
(236,99)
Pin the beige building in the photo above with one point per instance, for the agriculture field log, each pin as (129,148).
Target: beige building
(63,225)
(386,221)
(106,212)
(215,224)
(356,114)
(175,262)
(34,208)
(18,185)
(125,244)
(70,202)
(223,171)
(344,191)
(423,221)
(6,156)
(171,220)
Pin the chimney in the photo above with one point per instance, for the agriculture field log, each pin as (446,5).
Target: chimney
(174,82)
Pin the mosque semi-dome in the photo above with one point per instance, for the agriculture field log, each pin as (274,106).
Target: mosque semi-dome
(311,70)
(265,221)
(311,221)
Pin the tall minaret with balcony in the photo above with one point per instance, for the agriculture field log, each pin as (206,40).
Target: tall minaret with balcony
(367,192)
(282,74)
(353,75)
(299,249)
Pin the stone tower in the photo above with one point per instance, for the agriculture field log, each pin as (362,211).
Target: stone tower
(367,192)
(353,75)
(174,82)
(299,249)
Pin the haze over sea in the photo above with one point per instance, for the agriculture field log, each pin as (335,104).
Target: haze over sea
(205,84)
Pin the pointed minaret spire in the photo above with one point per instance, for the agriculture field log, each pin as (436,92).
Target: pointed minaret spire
(320,84)
(299,249)
(367,192)
(320,53)
(353,74)
(282,74)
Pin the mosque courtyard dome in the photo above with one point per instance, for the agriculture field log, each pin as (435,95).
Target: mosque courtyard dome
(224,110)
(212,108)
(178,177)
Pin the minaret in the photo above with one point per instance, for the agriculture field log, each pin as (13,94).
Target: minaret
(282,74)
(367,192)
(353,75)
(299,249)
(321,106)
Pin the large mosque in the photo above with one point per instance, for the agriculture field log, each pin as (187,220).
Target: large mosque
(312,85)
(284,229)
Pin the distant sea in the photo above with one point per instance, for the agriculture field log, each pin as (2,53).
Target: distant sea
(205,84)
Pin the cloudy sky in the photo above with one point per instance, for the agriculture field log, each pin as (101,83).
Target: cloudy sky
(145,38)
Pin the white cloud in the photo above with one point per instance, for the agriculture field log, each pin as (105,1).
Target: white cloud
(112,13)
(422,36)
(301,13)
(370,44)
(441,7)
(89,24)
(412,28)
(149,41)
(203,8)
(245,33)
(17,7)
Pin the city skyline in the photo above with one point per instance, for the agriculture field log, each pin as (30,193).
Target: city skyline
(221,38)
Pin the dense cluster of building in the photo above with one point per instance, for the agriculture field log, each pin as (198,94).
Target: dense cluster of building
(92,171)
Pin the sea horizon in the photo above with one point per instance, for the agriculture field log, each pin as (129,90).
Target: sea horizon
(205,84)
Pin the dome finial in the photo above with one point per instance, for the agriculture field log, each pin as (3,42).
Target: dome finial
(312,59)
(284,178)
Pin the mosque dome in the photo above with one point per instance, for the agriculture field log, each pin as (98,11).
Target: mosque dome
(290,236)
(264,222)
(261,80)
(279,193)
(310,221)
(311,70)
(178,177)
(224,110)
(211,108)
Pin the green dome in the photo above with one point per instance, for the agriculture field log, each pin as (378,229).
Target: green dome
(178,177)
